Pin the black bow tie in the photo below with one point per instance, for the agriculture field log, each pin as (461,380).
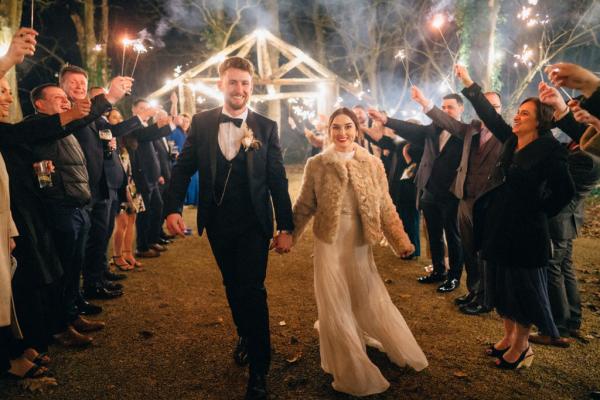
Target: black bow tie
(226,118)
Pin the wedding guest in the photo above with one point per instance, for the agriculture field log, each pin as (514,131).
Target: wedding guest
(74,81)
(64,206)
(563,291)
(354,307)
(146,174)
(131,203)
(480,152)
(437,171)
(576,77)
(529,184)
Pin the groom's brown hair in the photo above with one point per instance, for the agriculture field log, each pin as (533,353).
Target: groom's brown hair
(238,63)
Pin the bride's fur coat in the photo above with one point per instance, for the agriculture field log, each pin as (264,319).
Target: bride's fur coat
(323,188)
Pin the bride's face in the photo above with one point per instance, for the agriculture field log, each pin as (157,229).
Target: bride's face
(342,132)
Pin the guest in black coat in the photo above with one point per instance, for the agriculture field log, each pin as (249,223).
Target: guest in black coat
(530,183)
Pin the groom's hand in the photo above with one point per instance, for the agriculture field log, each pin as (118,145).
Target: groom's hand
(175,224)
(282,242)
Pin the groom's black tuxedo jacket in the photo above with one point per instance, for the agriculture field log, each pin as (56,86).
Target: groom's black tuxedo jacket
(266,174)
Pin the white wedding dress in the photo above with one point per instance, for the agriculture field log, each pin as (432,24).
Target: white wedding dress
(355,310)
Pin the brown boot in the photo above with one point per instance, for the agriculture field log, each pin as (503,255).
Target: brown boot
(545,340)
(85,325)
(72,338)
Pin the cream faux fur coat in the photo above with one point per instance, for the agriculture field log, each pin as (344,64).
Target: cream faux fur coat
(324,184)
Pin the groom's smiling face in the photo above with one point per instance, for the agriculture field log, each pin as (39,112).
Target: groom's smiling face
(236,86)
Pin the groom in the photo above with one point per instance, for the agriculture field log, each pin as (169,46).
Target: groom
(242,180)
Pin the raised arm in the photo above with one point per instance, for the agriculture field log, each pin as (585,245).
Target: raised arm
(486,112)
(407,130)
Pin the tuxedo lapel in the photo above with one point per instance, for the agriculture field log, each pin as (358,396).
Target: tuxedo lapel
(252,124)
(213,142)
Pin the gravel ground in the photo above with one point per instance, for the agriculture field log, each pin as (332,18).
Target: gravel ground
(171,335)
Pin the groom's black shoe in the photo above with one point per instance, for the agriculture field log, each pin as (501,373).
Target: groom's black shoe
(449,285)
(257,387)
(432,278)
(240,354)
(464,299)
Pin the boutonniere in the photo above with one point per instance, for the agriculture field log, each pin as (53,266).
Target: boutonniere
(248,140)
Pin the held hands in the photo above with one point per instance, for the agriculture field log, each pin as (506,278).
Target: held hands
(462,73)
(81,108)
(549,95)
(573,76)
(282,243)
(119,87)
(377,116)
(175,224)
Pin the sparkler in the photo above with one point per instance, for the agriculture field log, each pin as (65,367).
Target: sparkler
(97,48)
(139,48)
(126,42)
(437,22)
(32,9)
(401,55)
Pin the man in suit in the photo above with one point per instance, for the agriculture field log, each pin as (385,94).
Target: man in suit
(441,158)
(480,153)
(147,174)
(74,81)
(242,179)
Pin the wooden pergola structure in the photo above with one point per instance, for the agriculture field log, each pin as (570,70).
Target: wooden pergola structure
(283,72)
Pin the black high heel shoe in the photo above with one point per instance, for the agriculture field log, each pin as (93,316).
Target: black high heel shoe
(524,361)
(494,352)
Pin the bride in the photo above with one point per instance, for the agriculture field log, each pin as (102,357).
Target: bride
(345,189)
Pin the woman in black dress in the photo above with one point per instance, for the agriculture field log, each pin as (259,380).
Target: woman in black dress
(530,183)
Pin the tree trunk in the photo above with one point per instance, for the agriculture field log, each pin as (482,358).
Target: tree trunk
(319,36)
(10,20)
(95,59)
(490,80)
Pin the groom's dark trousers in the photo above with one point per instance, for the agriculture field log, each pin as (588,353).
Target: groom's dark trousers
(241,248)
(236,204)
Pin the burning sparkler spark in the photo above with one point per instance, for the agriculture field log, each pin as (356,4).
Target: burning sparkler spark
(139,48)
(438,21)
(525,57)
(97,48)
(400,55)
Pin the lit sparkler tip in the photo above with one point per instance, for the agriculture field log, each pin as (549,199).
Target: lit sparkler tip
(153,103)
(400,55)
(126,42)
(438,21)
(97,48)
(139,48)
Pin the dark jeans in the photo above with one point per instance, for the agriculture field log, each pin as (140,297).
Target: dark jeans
(95,252)
(70,228)
(562,288)
(441,218)
(410,219)
(242,259)
(114,205)
(472,267)
(149,223)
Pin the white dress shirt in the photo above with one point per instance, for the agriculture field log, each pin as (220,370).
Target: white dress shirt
(230,136)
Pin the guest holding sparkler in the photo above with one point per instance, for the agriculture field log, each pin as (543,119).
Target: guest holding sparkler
(530,183)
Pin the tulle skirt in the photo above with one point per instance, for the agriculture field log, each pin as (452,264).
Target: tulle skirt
(355,310)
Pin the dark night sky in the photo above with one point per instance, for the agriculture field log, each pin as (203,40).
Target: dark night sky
(57,32)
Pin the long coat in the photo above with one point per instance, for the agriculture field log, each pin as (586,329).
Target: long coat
(524,190)
(7,230)
(324,185)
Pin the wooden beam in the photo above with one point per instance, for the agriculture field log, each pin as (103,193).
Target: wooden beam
(191,73)
(285,68)
(247,47)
